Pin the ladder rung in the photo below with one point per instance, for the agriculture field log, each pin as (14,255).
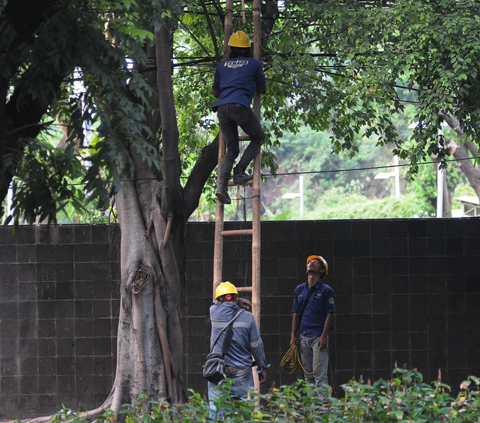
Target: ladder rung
(231,184)
(244,138)
(235,232)
(244,288)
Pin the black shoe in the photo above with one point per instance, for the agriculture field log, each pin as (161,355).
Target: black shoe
(222,192)
(223,197)
(240,177)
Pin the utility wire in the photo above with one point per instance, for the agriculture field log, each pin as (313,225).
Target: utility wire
(269,175)
(362,168)
(357,169)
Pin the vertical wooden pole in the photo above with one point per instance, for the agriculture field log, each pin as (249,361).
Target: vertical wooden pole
(256,250)
(256,236)
(228,26)
(219,221)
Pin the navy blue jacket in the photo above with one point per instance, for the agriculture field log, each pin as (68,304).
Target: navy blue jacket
(236,80)
(321,302)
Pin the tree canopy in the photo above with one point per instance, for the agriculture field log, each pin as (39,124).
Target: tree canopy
(342,66)
(69,64)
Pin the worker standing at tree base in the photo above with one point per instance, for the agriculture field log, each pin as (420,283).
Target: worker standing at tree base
(244,343)
(234,86)
(313,309)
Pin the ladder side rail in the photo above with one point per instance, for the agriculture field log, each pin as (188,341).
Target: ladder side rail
(228,26)
(219,224)
(220,211)
(256,236)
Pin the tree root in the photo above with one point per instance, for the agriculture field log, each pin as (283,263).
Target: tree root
(160,320)
(89,415)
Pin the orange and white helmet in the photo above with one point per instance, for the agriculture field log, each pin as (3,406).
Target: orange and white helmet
(321,259)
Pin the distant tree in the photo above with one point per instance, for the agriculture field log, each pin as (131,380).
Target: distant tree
(427,47)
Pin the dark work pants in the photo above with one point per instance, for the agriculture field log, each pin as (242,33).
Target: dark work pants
(230,117)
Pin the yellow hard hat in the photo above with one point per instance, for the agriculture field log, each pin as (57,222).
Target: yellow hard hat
(225,288)
(321,259)
(239,39)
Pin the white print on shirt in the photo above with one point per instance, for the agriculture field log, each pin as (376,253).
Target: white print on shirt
(236,64)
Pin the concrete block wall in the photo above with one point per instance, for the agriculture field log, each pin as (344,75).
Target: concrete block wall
(58,317)
(407,292)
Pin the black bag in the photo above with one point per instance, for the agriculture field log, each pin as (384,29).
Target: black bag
(214,367)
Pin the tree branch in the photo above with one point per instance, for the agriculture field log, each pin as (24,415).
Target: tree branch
(206,163)
(461,153)
(210,28)
(453,122)
(472,147)
(171,193)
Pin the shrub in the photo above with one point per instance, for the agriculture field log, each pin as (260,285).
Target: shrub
(404,398)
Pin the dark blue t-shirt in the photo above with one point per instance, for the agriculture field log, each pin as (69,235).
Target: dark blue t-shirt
(236,79)
(321,302)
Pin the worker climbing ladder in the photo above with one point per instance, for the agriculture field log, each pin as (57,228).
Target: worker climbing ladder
(254,232)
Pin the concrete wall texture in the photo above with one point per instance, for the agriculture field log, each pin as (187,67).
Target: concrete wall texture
(407,292)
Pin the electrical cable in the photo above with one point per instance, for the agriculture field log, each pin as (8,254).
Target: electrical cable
(316,172)
(267,175)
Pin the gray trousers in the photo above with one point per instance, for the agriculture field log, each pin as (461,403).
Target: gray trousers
(314,359)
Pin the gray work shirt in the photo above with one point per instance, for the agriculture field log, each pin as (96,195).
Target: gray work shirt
(246,340)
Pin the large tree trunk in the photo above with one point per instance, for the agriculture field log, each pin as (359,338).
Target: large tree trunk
(150,343)
(151,215)
(153,211)
(149,327)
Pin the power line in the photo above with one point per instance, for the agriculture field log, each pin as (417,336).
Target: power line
(362,168)
(316,172)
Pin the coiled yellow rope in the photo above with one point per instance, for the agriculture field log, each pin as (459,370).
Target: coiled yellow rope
(292,361)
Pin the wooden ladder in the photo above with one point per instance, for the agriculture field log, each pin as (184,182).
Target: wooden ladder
(220,233)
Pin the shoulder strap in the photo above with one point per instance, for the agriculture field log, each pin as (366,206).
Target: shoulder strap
(310,292)
(224,328)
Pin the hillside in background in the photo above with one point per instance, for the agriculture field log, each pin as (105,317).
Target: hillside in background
(341,186)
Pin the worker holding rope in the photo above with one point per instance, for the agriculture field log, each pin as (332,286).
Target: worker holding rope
(313,308)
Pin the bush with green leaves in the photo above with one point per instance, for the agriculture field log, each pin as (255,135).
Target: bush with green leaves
(404,398)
